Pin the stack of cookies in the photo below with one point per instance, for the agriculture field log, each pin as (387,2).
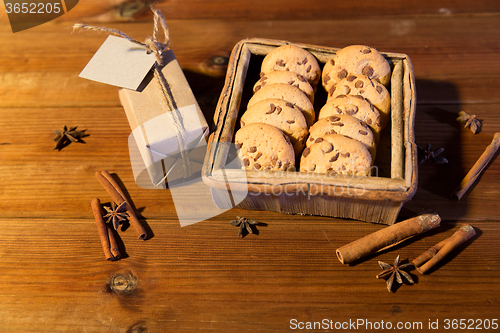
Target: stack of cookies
(343,140)
(275,125)
(279,125)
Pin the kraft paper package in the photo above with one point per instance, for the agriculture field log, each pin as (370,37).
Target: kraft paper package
(168,126)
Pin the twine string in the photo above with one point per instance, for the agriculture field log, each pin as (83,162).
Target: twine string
(152,44)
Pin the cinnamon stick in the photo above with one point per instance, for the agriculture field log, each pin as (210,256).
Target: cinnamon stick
(118,196)
(435,254)
(387,237)
(113,245)
(108,241)
(477,168)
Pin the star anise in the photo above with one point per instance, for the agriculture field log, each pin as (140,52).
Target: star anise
(428,154)
(470,121)
(66,136)
(245,225)
(116,214)
(394,271)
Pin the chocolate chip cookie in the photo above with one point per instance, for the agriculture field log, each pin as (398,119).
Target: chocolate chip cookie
(264,147)
(290,78)
(356,106)
(345,125)
(354,60)
(294,59)
(289,94)
(336,155)
(280,114)
(373,91)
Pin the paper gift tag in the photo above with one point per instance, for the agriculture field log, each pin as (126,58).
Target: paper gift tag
(119,62)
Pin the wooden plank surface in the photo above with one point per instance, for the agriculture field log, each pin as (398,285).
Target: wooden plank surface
(467,81)
(277,10)
(203,277)
(32,173)
(180,280)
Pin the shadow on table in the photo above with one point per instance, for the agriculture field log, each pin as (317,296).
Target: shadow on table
(207,90)
(438,105)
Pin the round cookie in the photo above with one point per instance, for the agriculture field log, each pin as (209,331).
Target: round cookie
(290,78)
(280,114)
(337,155)
(288,93)
(375,92)
(294,59)
(264,147)
(345,125)
(356,106)
(354,60)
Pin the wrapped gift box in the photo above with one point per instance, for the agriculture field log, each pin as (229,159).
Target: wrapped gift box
(160,121)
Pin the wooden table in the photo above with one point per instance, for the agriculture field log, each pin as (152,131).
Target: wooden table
(53,275)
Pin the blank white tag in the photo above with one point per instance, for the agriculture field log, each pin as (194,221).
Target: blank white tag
(119,62)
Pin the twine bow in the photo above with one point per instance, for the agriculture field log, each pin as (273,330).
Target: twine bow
(152,44)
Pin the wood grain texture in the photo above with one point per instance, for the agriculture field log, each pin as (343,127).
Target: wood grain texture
(277,10)
(120,10)
(202,277)
(32,173)
(60,61)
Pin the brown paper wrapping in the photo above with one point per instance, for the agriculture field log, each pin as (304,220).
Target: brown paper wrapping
(159,119)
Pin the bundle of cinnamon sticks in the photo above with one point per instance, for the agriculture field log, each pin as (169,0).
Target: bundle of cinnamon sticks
(106,230)
(399,232)
(387,237)
(438,252)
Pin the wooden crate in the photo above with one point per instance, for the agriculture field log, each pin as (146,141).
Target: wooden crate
(377,198)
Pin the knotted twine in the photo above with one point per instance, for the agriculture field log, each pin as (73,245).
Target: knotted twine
(152,44)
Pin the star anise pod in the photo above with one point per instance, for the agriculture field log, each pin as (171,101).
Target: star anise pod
(66,136)
(428,154)
(470,121)
(394,271)
(244,224)
(116,214)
